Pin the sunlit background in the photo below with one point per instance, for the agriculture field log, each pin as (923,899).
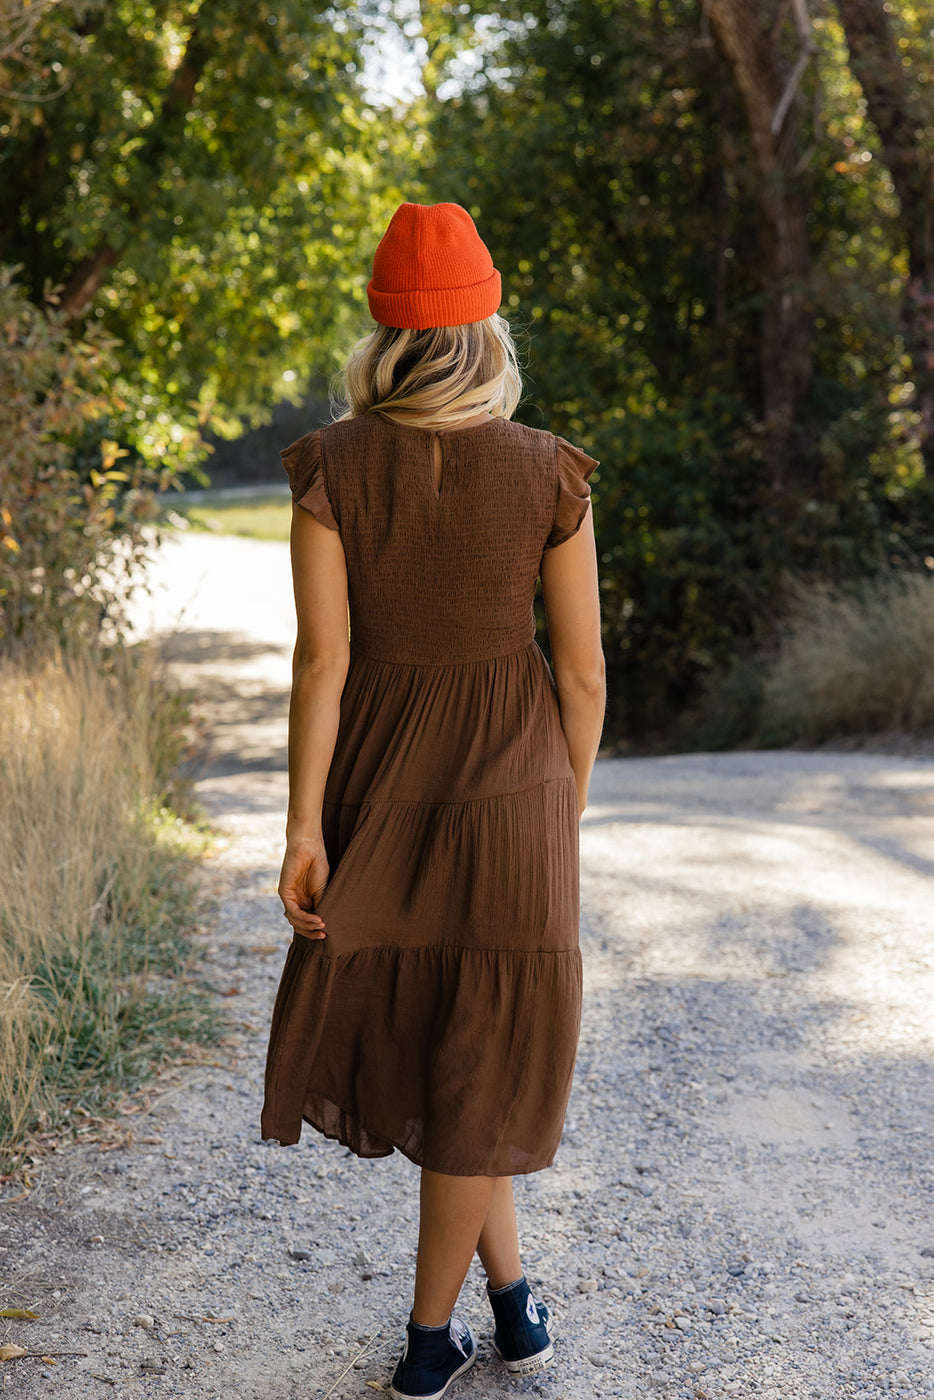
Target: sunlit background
(711,223)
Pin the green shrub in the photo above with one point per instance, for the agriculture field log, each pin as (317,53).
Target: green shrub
(72,507)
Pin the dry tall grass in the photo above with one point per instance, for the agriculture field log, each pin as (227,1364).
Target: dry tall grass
(855,662)
(97,886)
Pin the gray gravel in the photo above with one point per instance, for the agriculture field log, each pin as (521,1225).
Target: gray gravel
(742,1205)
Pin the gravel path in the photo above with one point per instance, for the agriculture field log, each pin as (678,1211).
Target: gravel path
(742,1205)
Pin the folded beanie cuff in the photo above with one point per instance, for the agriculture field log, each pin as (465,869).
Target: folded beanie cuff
(436,306)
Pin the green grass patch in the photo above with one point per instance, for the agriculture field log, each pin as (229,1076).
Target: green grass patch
(259,517)
(101,890)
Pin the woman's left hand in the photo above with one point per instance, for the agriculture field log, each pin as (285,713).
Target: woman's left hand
(302,883)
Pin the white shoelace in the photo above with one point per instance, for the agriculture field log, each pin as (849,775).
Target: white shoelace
(459,1332)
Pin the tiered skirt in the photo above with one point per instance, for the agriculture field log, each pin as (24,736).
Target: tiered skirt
(441,1013)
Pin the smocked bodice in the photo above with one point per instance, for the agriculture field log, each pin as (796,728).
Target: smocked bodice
(440,575)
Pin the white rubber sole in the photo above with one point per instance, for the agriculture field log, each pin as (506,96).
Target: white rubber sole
(437,1394)
(528,1364)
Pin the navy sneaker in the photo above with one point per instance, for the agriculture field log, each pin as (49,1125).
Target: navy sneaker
(432,1359)
(523,1332)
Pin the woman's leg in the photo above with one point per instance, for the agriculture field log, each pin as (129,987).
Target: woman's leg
(453,1211)
(498,1245)
(522,1324)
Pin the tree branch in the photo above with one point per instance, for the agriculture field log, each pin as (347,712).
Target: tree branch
(18,24)
(808,47)
(86,281)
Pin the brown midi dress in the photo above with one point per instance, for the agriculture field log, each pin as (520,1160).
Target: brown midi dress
(441,1013)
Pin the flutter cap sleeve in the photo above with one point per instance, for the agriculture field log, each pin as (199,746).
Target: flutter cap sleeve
(305,470)
(573,494)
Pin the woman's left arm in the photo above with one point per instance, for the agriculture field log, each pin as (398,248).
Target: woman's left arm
(319,670)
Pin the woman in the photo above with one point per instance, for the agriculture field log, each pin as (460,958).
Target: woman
(430,1000)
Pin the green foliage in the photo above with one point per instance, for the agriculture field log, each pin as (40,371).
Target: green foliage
(211,176)
(605,153)
(204,182)
(73,505)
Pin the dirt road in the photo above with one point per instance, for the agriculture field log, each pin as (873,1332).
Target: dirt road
(743,1202)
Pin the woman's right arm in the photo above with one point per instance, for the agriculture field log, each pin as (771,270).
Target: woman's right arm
(319,669)
(571,591)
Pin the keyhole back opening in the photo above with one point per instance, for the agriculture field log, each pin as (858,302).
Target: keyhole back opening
(437,463)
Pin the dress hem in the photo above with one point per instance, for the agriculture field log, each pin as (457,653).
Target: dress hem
(285,1138)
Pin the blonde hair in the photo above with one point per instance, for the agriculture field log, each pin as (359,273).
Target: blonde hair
(434,378)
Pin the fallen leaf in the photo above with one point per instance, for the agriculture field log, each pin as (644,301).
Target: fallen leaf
(230,992)
(374,1385)
(9,1352)
(22,1313)
(49,1360)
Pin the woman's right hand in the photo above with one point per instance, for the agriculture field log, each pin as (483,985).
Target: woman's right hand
(302,882)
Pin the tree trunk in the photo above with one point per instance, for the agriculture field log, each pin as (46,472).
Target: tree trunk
(741,35)
(893,110)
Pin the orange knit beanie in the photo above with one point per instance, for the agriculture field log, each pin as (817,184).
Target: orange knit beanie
(432,269)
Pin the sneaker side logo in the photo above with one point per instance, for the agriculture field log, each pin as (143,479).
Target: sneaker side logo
(532,1311)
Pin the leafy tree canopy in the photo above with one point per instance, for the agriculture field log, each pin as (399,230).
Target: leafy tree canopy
(606,151)
(203,178)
